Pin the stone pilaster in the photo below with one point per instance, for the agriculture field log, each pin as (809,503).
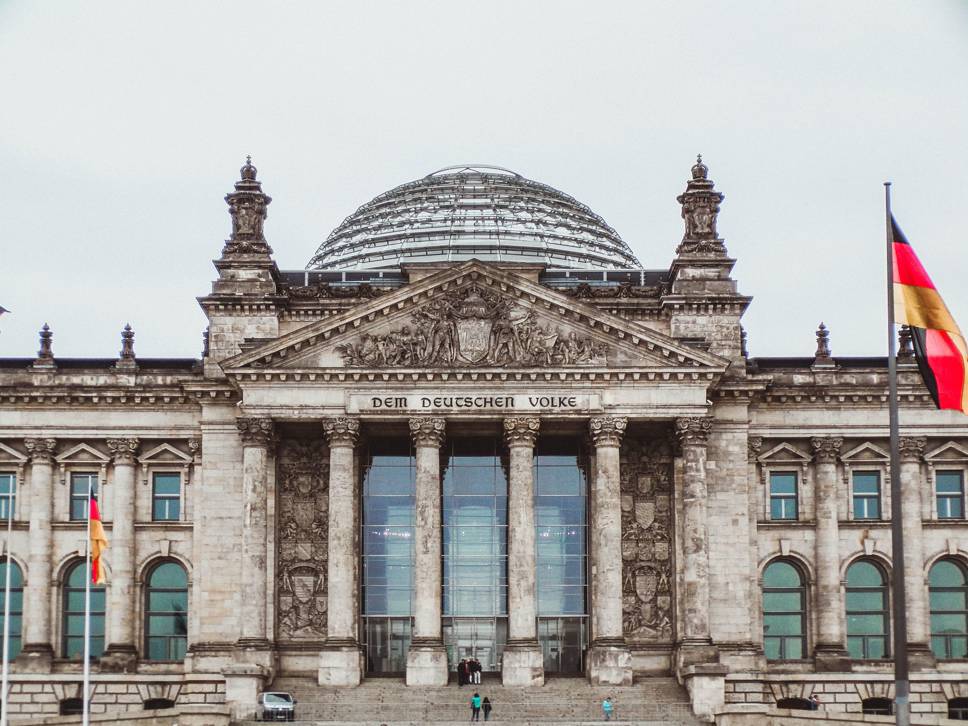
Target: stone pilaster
(37,650)
(830,653)
(427,658)
(920,657)
(258,438)
(122,651)
(695,646)
(523,663)
(755,503)
(609,661)
(341,661)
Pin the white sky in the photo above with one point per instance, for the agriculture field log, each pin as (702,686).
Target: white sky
(122,126)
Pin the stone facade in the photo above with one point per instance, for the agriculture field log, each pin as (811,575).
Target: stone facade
(261,443)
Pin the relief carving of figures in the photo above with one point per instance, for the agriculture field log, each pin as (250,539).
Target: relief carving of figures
(647,540)
(303,471)
(623,290)
(473,326)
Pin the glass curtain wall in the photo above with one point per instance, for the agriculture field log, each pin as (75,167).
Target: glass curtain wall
(475,574)
(561,491)
(389,490)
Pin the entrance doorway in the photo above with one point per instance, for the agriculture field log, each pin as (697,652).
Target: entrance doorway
(387,641)
(481,638)
(563,644)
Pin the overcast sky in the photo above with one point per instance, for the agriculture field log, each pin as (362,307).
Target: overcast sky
(122,126)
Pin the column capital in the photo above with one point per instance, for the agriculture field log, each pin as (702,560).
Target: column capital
(753,446)
(521,430)
(693,430)
(607,430)
(256,431)
(911,448)
(826,449)
(342,430)
(124,451)
(427,431)
(41,451)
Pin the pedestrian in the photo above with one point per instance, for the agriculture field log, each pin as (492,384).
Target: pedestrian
(476,669)
(486,706)
(462,672)
(607,708)
(476,707)
(814,702)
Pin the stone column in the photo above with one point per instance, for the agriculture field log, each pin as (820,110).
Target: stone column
(341,661)
(427,658)
(257,439)
(609,661)
(523,663)
(122,651)
(37,651)
(830,653)
(920,656)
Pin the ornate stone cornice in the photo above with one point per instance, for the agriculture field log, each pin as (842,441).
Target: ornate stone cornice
(607,430)
(124,451)
(826,449)
(41,451)
(521,430)
(911,448)
(256,431)
(427,431)
(753,446)
(342,430)
(693,429)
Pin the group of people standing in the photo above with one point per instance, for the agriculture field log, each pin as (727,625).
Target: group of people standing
(469,672)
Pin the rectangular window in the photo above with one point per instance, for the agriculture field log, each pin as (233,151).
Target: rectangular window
(783,495)
(8,495)
(867,494)
(165,497)
(950,490)
(81,483)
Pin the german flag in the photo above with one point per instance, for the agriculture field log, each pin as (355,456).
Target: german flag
(99,543)
(939,346)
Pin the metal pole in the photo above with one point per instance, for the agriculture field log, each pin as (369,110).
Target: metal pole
(902,706)
(6,613)
(86,718)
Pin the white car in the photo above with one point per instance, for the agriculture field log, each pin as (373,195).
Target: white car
(276,706)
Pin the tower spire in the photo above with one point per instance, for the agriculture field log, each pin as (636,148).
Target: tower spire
(700,209)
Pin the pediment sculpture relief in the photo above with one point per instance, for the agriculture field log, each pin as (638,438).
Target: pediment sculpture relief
(473,326)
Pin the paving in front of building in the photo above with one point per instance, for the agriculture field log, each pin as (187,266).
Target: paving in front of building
(476,427)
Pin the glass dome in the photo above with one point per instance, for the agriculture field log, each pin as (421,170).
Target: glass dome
(465,212)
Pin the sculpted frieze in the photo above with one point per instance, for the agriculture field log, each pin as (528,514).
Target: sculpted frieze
(473,326)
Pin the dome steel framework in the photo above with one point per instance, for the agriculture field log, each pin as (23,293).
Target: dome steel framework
(464,212)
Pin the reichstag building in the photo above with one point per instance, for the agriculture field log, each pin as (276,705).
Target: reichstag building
(475,426)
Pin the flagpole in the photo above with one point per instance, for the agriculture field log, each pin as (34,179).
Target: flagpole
(6,613)
(86,718)
(902,686)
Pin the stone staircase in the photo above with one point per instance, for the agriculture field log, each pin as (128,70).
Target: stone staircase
(378,701)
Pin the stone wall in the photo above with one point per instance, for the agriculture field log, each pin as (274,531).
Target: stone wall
(786,717)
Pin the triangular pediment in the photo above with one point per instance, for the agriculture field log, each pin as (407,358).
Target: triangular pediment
(83,454)
(475,316)
(947,452)
(866,452)
(165,454)
(783,453)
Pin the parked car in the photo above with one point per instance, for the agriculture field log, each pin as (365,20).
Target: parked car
(276,706)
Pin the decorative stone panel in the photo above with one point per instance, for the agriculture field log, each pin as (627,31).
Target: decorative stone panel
(303,506)
(647,540)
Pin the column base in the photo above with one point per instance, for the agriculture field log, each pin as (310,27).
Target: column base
(242,686)
(831,658)
(921,657)
(119,658)
(35,658)
(706,685)
(523,664)
(340,664)
(609,663)
(694,652)
(427,664)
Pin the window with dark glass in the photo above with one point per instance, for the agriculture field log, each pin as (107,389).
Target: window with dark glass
(16,605)
(154,703)
(795,704)
(8,495)
(958,709)
(166,613)
(165,496)
(867,494)
(71,706)
(877,706)
(81,483)
(867,620)
(950,491)
(783,495)
(74,614)
(948,594)
(784,612)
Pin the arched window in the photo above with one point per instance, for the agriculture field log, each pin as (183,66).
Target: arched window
(16,605)
(877,706)
(948,588)
(866,611)
(958,709)
(166,613)
(74,614)
(784,612)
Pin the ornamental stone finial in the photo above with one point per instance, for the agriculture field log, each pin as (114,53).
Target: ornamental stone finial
(41,451)
(248,208)
(911,448)
(753,446)
(256,431)
(823,343)
(427,431)
(46,351)
(127,343)
(700,209)
(826,449)
(521,430)
(905,341)
(123,451)
(342,430)
(693,429)
(607,430)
